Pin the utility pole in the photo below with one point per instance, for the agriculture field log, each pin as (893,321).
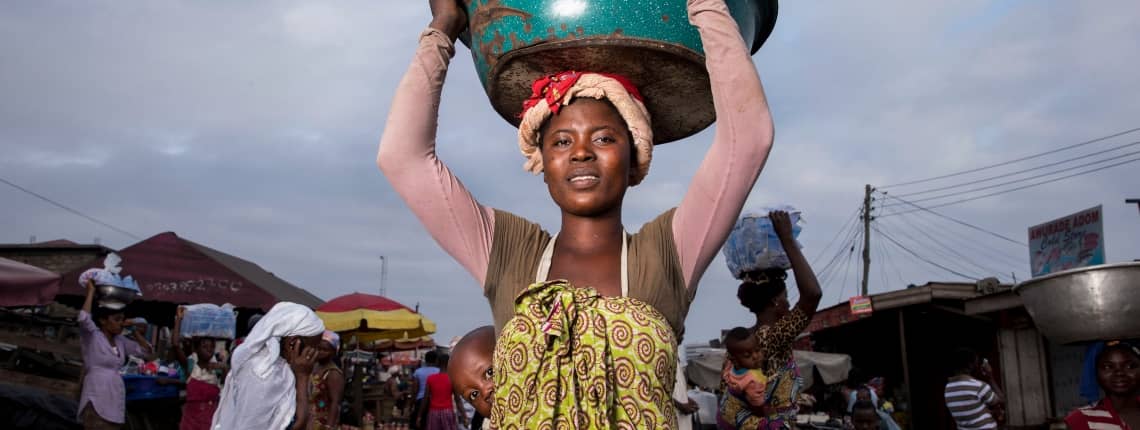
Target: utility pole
(866,237)
(383,276)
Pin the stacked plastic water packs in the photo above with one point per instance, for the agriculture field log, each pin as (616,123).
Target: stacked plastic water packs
(753,245)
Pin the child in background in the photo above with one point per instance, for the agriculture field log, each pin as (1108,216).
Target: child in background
(470,369)
(865,416)
(743,370)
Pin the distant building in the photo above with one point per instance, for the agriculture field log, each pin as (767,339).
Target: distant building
(59,256)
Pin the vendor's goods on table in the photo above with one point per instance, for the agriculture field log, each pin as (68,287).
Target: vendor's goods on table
(143,387)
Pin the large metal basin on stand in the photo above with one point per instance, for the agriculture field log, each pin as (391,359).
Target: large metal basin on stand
(1091,303)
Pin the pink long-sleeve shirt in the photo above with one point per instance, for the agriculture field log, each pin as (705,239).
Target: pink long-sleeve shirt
(465,228)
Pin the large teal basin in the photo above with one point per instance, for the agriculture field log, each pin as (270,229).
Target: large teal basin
(651,42)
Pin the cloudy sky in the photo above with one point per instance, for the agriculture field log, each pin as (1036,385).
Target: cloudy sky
(252,127)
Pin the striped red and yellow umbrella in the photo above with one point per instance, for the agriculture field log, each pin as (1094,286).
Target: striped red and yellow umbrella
(371,318)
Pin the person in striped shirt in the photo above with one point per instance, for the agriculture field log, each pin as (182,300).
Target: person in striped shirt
(1118,374)
(973,402)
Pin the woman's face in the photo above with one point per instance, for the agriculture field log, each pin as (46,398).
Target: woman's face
(780,305)
(1118,372)
(586,158)
(865,419)
(325,351)
(306,342)
(205,348)
(113,323)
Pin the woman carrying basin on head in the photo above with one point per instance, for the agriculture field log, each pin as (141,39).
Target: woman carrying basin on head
(103,400)
(593,305)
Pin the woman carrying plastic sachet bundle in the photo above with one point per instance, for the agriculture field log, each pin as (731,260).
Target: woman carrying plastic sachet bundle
(759,251)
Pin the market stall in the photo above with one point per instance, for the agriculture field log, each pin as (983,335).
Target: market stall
(26,285)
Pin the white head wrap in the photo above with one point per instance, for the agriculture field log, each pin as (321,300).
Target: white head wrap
(259,392)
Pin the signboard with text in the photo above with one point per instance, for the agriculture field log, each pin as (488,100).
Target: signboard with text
(1069,242)
(861,305)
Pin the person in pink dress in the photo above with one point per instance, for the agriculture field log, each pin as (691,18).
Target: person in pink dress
(103,398)
(443,410)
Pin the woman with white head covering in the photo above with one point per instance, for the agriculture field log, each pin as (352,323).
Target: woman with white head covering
(268,386)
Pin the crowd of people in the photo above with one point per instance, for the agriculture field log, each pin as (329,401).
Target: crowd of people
(587,321)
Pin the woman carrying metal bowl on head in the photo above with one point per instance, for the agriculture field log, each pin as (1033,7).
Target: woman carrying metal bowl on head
(102,401)
(588,318)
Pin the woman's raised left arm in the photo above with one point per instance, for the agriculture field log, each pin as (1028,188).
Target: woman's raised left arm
(743,138)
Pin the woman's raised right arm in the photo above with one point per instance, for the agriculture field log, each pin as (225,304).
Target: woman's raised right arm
(456,221)
(85,321)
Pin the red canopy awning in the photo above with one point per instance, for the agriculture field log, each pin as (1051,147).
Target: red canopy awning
(370,317)
(354,301)
(171,269)
(26,285)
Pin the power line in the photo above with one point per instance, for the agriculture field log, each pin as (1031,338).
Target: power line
(853,262)
(1021,187)
(950,249)
(829,270)
(846,265)
(988,187)
(947,217)
(892,240)
(883,266)
(918,263)
(1029,170)
(839,252)
(898,272)
(838,233)
(936,251)
(1042,154)
(846,272)
(973,245)
(66,208)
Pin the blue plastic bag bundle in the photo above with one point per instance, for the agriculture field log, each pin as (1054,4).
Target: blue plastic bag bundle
(753,245)
(209,320)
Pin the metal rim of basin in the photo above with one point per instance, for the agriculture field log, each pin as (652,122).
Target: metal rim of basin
(672,72)
(1032,282)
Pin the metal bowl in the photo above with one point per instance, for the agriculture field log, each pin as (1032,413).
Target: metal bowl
(114,295)
(651,42)
(1090,303)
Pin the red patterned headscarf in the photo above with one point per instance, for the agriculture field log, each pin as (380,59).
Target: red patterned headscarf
(553,89)
(550,93)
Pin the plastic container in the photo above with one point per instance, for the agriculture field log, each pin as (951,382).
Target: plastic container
(142,387)
(753,245)
(209,320)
